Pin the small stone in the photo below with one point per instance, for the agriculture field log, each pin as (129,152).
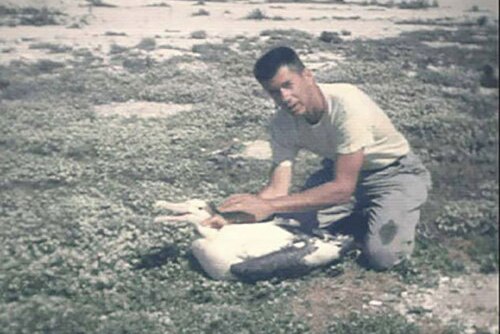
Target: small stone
(376,303)
(389,297)
(444,279)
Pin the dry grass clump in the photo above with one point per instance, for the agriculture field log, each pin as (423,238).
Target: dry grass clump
(114,33)
(199,34)
(13,16)
(201,12)
(404,4)
(256,14)
(342,18)
(159,4)
(448,22)
(100,3)
(51,47)
(147,44)
(330,37)
(418,4)
(115,49)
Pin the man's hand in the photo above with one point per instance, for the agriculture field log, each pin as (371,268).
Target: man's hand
(216,221)
(250,204)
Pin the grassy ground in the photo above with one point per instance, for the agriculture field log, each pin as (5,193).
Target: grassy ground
(80,251)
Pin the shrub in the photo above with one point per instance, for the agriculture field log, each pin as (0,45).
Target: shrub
(100,3)
(256,14)
(47,65)
(161,4)
(330,37)
(147,44)
(466,217)
(53,48)
(418,4)
(115,48)
(114,33)
(201,12)
(29,16)
(482,20)
(199,34)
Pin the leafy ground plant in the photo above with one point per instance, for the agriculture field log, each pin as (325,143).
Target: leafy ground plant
(384,323)
(79,247)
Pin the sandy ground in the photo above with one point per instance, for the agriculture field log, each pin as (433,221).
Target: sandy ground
(172,25)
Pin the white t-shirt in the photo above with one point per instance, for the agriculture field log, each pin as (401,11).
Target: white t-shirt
(353,121)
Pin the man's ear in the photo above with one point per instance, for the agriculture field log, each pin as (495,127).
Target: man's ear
(308,75)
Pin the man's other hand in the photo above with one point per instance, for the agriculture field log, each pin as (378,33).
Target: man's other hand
(216,221)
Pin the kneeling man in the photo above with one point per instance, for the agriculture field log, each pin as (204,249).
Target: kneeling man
(371,184)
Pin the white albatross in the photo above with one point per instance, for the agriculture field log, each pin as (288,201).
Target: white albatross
(257,251)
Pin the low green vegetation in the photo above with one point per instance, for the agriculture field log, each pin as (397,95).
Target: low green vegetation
(384,323)
(80,252)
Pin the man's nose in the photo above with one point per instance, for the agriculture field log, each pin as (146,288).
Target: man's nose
(284,94)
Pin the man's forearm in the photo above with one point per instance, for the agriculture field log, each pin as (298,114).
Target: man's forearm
(320,197)
(270,193)
(279,182)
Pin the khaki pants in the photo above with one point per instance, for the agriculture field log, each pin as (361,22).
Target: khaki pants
(383,213)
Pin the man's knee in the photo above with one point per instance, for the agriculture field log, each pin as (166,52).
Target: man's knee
(383,258)
(387,244)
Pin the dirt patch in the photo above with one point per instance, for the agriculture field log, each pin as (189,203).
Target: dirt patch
(132,20)
(257,149)
(141,109)
(470,301)
(328,298)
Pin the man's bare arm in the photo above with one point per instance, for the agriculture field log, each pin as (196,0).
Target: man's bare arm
(280,179)
(337,191)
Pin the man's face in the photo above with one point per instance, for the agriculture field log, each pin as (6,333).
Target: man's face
(291,90)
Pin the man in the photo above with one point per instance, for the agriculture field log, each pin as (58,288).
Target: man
(371,185)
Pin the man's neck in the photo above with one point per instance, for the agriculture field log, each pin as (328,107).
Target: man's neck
(319,109)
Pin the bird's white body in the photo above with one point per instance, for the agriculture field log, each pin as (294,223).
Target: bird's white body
(219,249)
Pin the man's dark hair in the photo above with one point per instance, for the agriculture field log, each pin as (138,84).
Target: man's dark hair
(266,67)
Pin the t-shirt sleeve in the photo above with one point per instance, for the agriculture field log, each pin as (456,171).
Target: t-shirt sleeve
(283,140)
(353,125)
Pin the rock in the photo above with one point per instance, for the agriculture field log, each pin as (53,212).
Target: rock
(389,297)
(375,303)
(444,279)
